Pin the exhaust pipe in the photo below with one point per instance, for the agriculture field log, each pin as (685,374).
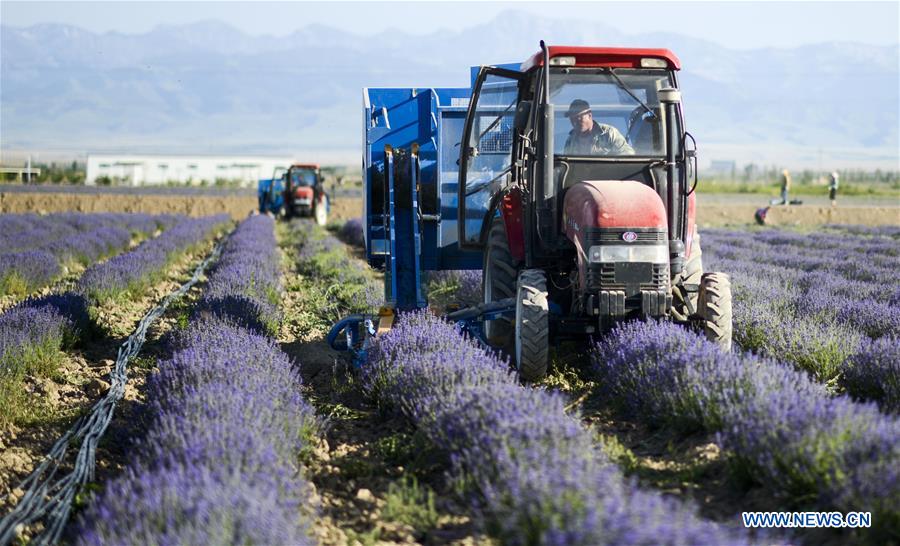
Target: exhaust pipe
(672,192)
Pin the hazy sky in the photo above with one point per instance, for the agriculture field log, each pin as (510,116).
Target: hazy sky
(739,25)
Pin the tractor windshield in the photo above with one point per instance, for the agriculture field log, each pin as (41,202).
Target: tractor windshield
(303,177)
(608,112)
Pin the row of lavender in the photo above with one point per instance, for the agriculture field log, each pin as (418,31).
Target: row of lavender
(534,474)
(36,249)
(33,332)
(814,450)
(218,464)
(828,302)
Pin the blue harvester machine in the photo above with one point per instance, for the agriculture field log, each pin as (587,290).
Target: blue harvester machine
(411,150)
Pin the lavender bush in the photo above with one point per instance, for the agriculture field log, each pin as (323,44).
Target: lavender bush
(321,256)
(352,232)
(35,249)
(218,464)
(818,451)
(873,373)
(533,472)
(26,271)
(244,286)
(132,272)
(822,296)
(31,337)
(454,286)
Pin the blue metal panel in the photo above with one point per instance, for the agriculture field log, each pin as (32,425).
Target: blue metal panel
(270,193)
(432,119)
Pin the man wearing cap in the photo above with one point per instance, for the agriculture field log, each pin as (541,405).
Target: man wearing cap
(588,137)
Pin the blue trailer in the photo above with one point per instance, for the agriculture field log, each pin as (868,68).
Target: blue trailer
(270,193)
(411,181)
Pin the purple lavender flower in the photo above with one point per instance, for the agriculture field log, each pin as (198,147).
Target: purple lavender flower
(218,464)
(352,232)
(244,287)
(782,426)
(134,270)
(873,373)
(532,471)
(23,272)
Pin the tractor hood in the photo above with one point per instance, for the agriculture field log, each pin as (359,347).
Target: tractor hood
(303,192)
(611,204)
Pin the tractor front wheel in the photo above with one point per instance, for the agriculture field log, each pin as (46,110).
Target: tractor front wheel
(532,335)
(714,307)
(498,282)
(687,283)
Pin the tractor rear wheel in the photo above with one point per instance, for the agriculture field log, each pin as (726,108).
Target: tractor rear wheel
(498,282)
(532,336)
(714,307)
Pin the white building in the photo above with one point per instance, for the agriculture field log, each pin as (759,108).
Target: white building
(140,170)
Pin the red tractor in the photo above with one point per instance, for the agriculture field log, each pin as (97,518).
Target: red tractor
(576,181)
(304,193)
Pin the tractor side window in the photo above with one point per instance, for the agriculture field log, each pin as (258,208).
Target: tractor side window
(490,149)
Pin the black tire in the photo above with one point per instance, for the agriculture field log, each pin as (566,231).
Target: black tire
(693,272)
(320,211)
(715,309)
(532,333)
(498,281)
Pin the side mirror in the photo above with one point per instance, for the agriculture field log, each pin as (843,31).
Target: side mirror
(523,111)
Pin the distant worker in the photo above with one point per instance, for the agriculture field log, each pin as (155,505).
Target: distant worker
(588,137)
(785,186)
(833,188)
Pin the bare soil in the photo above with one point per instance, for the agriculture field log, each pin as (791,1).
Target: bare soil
(713,209)
(238,206)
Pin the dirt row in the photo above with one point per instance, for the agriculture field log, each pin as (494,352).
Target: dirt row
(711,212)
(238,206)
(363,455)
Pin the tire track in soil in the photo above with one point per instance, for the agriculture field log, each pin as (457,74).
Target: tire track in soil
(350,476)
(82,380)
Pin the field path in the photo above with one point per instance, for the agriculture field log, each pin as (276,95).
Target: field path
(349,468)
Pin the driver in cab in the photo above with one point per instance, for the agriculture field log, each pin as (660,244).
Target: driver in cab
(588,137)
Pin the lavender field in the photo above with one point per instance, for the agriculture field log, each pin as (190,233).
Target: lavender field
(243,427)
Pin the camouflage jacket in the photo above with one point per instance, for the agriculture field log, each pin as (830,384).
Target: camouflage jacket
(602,140)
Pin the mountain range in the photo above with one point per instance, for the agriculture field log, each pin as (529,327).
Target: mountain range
(208,87)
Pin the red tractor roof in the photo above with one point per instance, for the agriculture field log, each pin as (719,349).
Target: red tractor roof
(305,165)
(614,57)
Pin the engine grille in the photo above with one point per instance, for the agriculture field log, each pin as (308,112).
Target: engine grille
(604,277)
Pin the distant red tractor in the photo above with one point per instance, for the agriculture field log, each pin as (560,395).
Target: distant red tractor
(304,192)
(576,181)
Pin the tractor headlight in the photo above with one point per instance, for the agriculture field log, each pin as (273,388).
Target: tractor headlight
(657,254)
